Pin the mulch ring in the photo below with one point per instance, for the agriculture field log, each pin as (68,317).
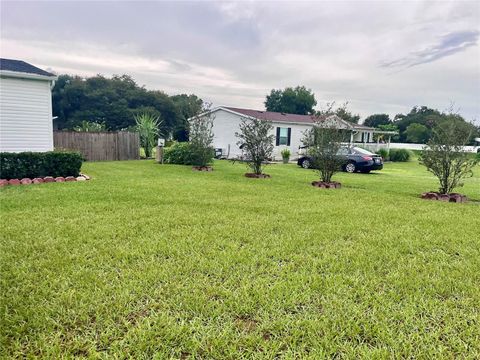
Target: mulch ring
(453,197)
(41,180)
(257,176)
(327,185)
(202,168)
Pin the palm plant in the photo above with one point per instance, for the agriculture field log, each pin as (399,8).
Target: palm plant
(147,126)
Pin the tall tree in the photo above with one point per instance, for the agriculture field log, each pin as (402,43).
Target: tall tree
(115,101)
(417,133)
(298,100)
(187,106)
(376,120)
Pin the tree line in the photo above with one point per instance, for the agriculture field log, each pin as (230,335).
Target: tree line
(101,103)
(414,127)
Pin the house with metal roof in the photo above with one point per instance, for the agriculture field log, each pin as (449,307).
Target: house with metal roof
(25,107)
(289,129)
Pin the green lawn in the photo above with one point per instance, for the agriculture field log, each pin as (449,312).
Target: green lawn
(158,261)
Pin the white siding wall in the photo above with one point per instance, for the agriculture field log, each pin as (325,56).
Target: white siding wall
(295,140)
(226,125)
(25,115)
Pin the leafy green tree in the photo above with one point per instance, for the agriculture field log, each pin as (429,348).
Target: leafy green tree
(147,126)
(421,115)
(115,101)
(384,137)
(417,133)
(444,156)
(187,106)
(376,120)
(256,140)
(298,100)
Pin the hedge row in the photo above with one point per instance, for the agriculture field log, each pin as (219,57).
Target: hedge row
(40,164)
(401,155)
(184,153)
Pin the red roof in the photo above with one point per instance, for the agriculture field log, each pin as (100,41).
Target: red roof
(290,118)
(274,116)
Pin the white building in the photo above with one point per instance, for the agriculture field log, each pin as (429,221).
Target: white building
(289,129)
(25,107)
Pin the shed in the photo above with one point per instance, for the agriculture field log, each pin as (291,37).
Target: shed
(25,107)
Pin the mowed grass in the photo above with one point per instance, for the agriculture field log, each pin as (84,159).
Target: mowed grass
(157,261)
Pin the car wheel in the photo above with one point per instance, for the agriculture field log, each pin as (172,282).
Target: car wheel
(350,167)
(306,164)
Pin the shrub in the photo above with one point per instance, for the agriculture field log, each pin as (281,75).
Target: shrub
(325,140)
(201,138)
(285,153)
(33,164)
(180,153)
(399,155)
(444,155)
(383,153)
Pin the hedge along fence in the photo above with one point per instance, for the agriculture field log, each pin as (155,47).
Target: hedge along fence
(40,164)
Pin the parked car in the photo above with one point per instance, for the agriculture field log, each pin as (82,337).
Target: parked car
(356,160)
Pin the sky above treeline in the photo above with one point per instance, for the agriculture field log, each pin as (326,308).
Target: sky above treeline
(381,57)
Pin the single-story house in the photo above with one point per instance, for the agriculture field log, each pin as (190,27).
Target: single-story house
(25,107)
(289,129)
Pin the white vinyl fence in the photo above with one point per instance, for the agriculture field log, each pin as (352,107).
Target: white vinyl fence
(376,147)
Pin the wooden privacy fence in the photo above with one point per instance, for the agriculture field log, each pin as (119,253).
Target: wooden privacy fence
(100,146)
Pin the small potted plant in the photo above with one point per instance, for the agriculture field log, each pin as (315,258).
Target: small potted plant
(285,155)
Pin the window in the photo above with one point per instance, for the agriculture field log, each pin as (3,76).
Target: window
(283,136)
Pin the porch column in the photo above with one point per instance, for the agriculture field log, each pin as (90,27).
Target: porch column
(388,143)
(351,138)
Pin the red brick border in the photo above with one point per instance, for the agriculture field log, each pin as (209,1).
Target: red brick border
(453,197)
(39,180)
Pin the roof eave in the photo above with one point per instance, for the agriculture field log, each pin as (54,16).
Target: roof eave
(23,75)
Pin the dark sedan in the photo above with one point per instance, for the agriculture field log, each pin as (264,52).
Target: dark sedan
(356,159)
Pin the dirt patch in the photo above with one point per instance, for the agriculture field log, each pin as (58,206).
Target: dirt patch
(246,324)
(327,185)
(257,176)
(202,168)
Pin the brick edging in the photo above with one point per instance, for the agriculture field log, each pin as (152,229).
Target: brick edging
(41,180)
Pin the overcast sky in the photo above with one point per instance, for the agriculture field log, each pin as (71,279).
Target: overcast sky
(379,56)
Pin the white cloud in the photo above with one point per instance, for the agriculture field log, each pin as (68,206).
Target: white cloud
(234,53)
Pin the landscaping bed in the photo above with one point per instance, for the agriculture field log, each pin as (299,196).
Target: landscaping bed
(257,176)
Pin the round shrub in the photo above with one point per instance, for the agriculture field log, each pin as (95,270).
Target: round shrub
(399,155)
(179,153)
(383,153)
